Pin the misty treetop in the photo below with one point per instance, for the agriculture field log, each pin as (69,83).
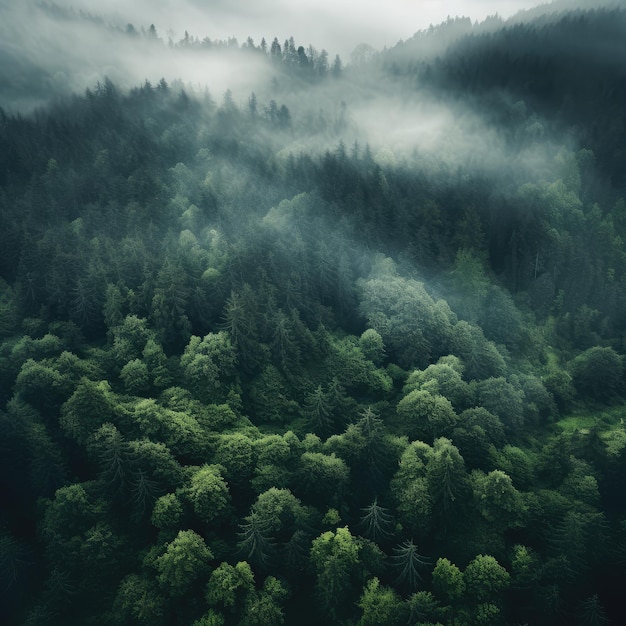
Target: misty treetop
(257,370)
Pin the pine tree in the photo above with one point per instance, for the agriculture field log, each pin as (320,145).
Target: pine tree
(255,541)
(376,522)
(318,412)
(408,562)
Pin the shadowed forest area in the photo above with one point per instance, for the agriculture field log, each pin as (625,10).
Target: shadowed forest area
(345,349)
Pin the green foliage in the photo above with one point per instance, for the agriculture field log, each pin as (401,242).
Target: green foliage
(425,416)
(156,362)
(207,364)
(112,455)
(208,493)
(424,607)
(496,497)
(349,363)
(447,480)
(412,325)
(485,578)
(235,453)
(164,333)
(480,357)
(185,560)
(178,430)
(167,512)
(448,580)
(211,618)
(410,487)
(264,608)
(524,566)
(139,598)
(323,477)
(255,539)
(71,511)
(502,399)
(487,613)
(592,612)
(228,584)
(279,511)
(318,412)
(469,285)
(597,373)
(380,605)
(270,397)
(334,555)
(135,376)
(372,346)
(130,338)
(516,463)
(156,461)
(90,406)
(441,379)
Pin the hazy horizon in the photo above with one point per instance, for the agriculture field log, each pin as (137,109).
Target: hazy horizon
(322,23)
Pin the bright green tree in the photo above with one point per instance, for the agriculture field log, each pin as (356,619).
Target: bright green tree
(265,607)
(372,346)
(167,512)
(208,493)
(229,585)
(485,578)
(130,338)
(380,605)
(208,364)
(448,580)
(441,378)
(186,559)
(334,556)
(135,377)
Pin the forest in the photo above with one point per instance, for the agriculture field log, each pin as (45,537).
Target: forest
(285,358)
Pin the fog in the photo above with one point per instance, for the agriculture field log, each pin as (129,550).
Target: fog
(45,52)
(337,27)
(48,50)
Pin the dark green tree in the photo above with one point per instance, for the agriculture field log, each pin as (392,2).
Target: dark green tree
(597,373)
(407,563)
(255,539)
(376,522)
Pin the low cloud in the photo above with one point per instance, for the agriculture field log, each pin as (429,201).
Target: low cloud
(48,49)
(46,52)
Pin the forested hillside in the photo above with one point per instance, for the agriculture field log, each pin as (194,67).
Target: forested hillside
(266,360)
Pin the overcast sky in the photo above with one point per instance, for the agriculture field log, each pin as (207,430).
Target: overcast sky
(331,24)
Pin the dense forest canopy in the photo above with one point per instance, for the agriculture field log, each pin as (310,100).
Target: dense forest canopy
(342,342)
